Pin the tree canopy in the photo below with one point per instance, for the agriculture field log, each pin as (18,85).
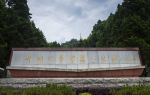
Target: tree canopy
(17,29)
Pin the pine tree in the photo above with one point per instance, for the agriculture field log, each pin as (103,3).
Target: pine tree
(20,7)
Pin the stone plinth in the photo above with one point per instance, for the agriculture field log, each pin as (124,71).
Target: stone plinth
(74,82)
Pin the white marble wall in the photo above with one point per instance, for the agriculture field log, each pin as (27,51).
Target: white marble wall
(75,59)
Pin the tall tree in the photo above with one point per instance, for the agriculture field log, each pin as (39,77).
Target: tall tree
(20,7)
(16,29)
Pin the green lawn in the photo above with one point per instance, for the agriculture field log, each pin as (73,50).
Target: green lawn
(134,90)
(49,90)
(65,90)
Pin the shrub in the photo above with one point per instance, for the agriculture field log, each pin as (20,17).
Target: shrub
(133,90)
(85,93)
(94,90)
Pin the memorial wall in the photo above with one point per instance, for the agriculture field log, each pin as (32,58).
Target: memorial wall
(75,59)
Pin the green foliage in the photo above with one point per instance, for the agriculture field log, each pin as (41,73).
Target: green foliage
(85,93)
(20,7)
(53,44)
(74,43)
(134,90)
(16,29)
(128,27)
(49,90)
(70,44)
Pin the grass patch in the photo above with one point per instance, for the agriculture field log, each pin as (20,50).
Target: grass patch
(132,90)
(49,90)
(53,89)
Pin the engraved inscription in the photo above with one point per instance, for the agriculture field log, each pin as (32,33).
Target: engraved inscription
(82,58)
(103,59)
(28,58)
(114,58)
(129,59)
(93,59)
(61,58)
(51,59)
(39,59)
(72,59)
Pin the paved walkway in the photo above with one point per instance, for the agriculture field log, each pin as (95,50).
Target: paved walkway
(75,82)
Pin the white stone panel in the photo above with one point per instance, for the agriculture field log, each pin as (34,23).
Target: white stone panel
(75,59)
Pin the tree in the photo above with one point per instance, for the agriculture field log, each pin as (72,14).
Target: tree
(70,44)
(53,44)
(20,7)
(16,29)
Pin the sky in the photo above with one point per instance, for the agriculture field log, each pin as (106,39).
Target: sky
(62,20)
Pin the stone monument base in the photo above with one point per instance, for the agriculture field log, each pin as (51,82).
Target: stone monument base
(75,82)
(59,73)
